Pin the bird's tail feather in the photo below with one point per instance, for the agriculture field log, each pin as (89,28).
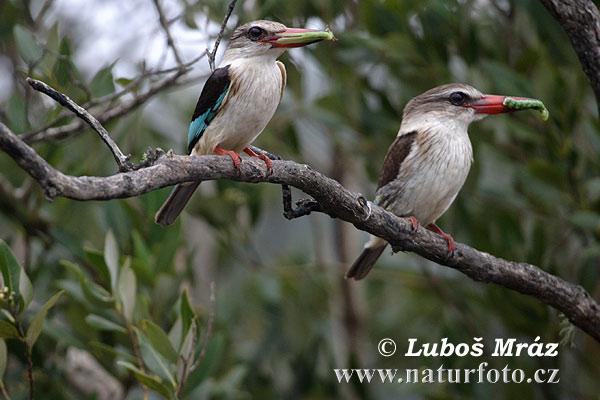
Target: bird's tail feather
(175,203)
(365,262)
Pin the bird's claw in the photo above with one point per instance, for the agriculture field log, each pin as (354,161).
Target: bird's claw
(235,157)
(447,238)
(414,222)
(263,157)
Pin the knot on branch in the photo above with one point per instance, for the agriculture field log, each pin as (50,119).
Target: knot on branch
(366,209)
(150,157)
(303,206)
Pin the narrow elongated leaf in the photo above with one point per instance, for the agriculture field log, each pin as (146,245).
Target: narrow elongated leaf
(153,360)
(95,293)
(127,288)
(186,354)
(98,346)
(111,257)
(25,289)
(96,258)
(149,381)
(8,330)
(187,314)
(160,341)
(37,322)
(104,324)
(3,358)
(175,335)
(28,47)
(11,270)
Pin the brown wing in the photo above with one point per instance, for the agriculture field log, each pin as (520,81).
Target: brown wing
(283,77)
(394,157)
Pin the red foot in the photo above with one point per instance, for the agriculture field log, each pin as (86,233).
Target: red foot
(262,157)
(235,157)
(448,238)
(414,222)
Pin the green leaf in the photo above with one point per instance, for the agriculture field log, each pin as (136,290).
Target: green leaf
(187,314)
(160,341)
(111,257)
(124,81)
(11,270)
(25,289)
(102,83)
(149,381)
(98,346)
(153,360)
(104,324)
(175,334)
(37,322)
(96,258)
(64,66)
(186,354)
(3,358)
(28,47)
(8,330)
(52,46)
(127,288)
(93,292)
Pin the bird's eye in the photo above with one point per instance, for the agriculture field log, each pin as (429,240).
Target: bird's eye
(458,98)
(255,33)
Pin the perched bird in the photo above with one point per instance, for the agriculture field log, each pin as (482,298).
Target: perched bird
(239,99)
(430,159)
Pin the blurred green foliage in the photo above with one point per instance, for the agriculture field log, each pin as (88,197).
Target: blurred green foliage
(284,316)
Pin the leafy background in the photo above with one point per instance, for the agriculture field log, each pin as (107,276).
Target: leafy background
(284,315)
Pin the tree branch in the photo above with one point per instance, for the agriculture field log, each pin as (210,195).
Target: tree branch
(212,54)
(333,199)
(121,159)
(165,26)
(580,19)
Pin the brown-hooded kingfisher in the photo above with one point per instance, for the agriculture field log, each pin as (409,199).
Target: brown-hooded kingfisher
(239,99)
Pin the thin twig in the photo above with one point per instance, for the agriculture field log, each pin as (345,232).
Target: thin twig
(121,159)
(112,113)
(165,27)
(136,349)
(27,350)
(213,53)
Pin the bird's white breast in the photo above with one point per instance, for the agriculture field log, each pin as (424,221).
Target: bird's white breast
(253,97)
(431,175)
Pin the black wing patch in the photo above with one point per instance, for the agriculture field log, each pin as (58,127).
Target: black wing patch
(208,105)
(394,158)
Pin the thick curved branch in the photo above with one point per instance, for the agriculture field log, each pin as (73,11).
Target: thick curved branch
(333,199)
(580,19)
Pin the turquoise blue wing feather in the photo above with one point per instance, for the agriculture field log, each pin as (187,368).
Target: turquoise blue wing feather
(211,99)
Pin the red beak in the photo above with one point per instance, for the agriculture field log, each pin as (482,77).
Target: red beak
(493,104)
(294,37)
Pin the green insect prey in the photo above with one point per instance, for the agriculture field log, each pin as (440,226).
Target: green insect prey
(527,104)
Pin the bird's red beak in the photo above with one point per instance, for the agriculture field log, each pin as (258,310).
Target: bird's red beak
(294,37)
(494,104)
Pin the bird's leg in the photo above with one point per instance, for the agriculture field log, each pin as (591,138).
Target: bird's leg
(235,157)
(262,157)
(414,222)
(448,238)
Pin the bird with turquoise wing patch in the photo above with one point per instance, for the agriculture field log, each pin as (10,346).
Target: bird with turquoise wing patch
(239,99)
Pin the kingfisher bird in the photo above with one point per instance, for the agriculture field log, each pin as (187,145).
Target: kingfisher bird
(428,163)
(239,99)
